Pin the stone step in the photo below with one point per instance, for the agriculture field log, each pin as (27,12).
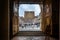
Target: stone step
(30,33)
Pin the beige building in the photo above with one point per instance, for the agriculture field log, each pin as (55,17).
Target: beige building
(29,15)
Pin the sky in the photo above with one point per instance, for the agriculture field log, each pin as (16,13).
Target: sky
(29,7)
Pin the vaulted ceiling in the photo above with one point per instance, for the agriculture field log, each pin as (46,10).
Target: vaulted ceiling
(29,1)
(32,1)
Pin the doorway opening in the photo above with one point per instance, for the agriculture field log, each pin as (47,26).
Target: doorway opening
(29,17)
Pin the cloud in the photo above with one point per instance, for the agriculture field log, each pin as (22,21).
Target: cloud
(24,6)
(37,9)
(29,7)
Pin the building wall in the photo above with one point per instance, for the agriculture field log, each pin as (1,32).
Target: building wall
(4,20)
(46,15)
(29,15)
(15,25)
(15,20)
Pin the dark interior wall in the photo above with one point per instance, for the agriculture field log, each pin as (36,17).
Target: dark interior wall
(55,18)
(59,19)
(4,23)
(11,15)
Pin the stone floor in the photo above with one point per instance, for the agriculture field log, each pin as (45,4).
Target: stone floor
(29,38)
(33,38)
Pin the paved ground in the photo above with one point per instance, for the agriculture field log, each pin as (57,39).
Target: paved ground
(30,28)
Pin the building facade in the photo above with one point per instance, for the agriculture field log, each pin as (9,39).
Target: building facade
(30,22)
